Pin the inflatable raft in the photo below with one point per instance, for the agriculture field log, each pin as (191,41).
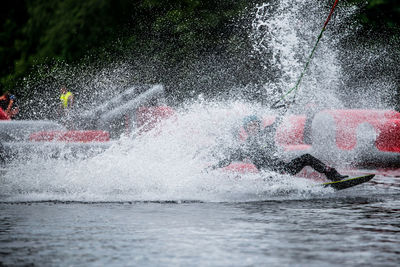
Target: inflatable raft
(348,139)
(26,139)
(351,137)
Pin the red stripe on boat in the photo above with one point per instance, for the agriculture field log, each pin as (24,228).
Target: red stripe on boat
(70,136)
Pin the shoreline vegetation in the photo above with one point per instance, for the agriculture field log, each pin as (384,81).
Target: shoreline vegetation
(171,41)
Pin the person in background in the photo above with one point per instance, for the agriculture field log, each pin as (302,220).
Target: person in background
(261,150)
(67,98)
(8,103)
(66,105)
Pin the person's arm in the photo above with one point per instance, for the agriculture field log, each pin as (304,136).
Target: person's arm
(71,100)
(10,104)
(222,163)
(14,111)
(236,155)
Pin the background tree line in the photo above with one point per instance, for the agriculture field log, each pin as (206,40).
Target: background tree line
(177,36)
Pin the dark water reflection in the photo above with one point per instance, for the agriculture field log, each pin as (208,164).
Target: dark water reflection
(343,230)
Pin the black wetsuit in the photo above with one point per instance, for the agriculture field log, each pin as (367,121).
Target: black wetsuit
(262,151)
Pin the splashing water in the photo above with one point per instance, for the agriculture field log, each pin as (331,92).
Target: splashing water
(169,162)
(284,34)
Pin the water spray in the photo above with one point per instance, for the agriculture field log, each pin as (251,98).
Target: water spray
(295,88)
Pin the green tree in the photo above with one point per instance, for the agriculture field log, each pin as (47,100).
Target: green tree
(380,14)
(173,33)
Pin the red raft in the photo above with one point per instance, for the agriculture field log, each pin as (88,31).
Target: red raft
(70,136)
(346,139)
(3,115)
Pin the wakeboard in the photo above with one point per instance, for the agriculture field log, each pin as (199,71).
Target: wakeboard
(349,182)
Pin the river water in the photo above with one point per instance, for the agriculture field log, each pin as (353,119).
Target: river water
(353,227)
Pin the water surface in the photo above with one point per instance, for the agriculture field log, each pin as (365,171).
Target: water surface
(359,226)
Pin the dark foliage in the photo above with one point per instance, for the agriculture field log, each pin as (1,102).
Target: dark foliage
(180,38)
